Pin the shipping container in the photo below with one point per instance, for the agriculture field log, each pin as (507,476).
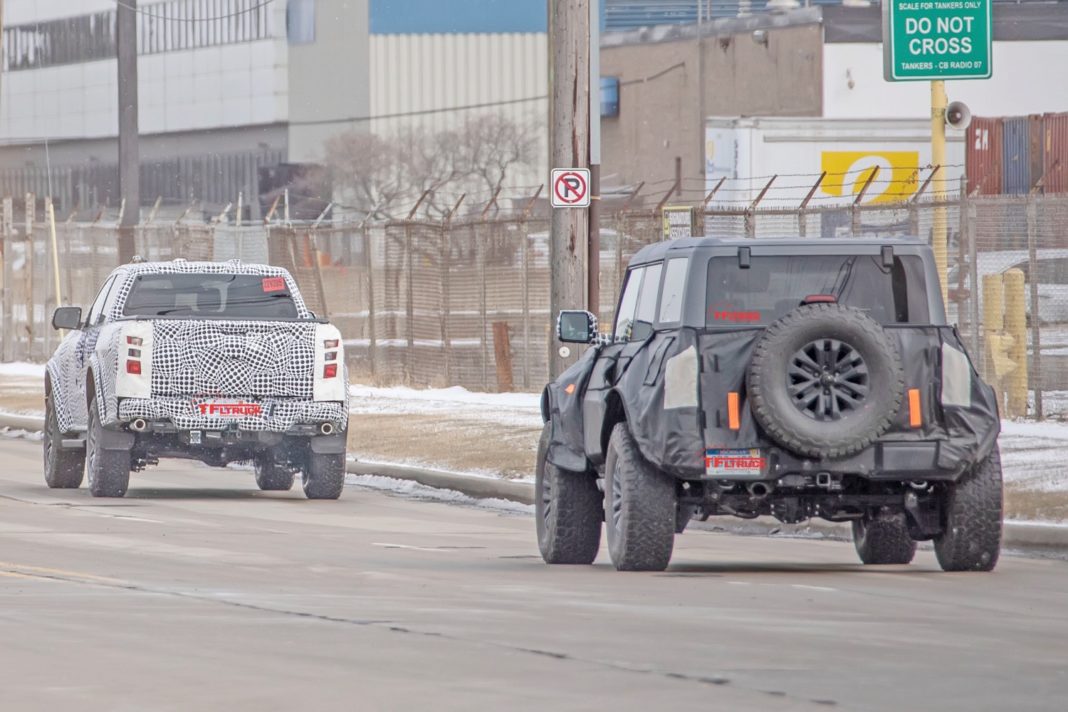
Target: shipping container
(1037,140)
(1016,156)
(983,156)
(1055,147)
(748,151)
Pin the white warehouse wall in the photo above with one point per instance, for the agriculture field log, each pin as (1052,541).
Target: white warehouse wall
(227,85)
(419,72)
(1014,89)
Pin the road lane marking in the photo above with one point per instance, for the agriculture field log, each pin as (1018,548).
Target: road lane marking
(813,588)
(413,548)
(8,567)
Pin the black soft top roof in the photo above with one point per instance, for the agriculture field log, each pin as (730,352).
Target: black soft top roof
(783,245)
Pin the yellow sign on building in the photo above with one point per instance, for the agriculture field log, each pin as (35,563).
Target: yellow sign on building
(848,171)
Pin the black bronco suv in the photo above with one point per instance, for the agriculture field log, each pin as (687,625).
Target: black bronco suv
(790,378)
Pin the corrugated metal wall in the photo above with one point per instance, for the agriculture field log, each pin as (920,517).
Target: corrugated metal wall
(1056,148)
(1016,156)
(424,76)
(983,156)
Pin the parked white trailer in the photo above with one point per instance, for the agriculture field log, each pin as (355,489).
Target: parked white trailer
(749,151)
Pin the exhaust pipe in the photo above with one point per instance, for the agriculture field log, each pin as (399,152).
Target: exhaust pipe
(139,425)
(326,428)
(759,489)
(919,485)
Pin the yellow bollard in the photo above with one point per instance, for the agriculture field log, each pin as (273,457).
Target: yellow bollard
(1016,327)
(993,323)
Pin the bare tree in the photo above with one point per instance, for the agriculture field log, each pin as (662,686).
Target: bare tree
(494,145)
(368,172)
(433,161)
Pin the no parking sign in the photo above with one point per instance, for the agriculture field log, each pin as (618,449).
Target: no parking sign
(570,188)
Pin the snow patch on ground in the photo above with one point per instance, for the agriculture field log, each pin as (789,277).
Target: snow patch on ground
(407,488)
(18,434)
(22,369)
(1032,455)
(520,409)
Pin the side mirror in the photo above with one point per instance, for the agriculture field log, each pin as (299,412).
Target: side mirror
(69,318)
(576,326)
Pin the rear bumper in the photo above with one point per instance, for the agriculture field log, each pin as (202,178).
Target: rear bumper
(291,417)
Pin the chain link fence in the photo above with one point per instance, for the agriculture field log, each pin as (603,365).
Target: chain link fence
(466,301)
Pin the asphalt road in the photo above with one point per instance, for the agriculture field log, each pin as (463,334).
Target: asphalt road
(198,592)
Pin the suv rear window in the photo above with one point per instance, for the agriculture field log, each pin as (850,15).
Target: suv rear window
(219,296)
(774,285)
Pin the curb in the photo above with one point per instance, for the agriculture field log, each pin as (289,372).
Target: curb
(1019,536)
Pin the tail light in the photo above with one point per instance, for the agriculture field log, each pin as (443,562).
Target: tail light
(133,366)
(134,340)
(915,411)
(330,347)
(330,370)
(734,419)
(330,343)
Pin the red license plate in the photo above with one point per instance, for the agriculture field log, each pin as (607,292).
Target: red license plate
(229,409)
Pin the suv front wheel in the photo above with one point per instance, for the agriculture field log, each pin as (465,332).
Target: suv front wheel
(639,507)
(567,508)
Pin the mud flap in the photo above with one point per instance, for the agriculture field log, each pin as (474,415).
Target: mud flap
(116,439)
(564,413)
(334,444)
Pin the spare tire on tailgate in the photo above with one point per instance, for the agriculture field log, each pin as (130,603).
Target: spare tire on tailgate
(825,381)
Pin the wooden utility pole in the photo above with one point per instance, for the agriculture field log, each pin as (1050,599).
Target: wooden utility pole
(569,28)
(129,154)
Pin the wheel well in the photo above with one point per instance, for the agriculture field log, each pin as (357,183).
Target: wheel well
(613,415)
(90,388)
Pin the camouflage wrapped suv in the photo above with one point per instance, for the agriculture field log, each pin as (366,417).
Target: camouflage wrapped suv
(785,378)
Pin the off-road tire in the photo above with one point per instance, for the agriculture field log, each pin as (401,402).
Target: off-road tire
(971,538)
(270,476)
(639,507)
(323,476)
(567,509)
(883,539)
(767,381)
(108,470)
(63,468)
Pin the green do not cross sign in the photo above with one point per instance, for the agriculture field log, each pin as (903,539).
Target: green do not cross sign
(936,39)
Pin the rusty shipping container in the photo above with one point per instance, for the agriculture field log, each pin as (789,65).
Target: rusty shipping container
(1016,155)
(983,155)
(1055,148)
(1037,141)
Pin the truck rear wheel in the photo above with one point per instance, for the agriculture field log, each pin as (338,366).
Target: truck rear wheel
(883,539)
(270,477)
(971,539)
(64,469)
(639,507)
(324,475)
(567,509)
(108,470)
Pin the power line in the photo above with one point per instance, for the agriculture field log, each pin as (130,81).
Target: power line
(422,112)
(247,10)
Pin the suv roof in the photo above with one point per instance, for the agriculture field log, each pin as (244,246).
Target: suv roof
(780,245)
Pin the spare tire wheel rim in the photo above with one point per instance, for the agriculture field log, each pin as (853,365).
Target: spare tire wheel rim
(828,379)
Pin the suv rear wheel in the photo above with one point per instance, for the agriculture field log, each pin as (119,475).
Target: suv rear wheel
(971,539)
(639,507)
(883,539)
(567,509)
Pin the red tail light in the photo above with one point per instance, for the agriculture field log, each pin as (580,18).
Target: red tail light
(133,367)
(820,299)
(330,370)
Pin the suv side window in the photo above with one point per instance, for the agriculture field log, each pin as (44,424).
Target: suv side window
(674,284)
(98,304)
(647,299)
(113,295)
(628,303)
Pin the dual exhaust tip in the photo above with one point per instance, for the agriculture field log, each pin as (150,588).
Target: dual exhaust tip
(140,425)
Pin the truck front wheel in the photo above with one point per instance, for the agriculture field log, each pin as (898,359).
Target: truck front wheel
(567,508)
(639,507)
